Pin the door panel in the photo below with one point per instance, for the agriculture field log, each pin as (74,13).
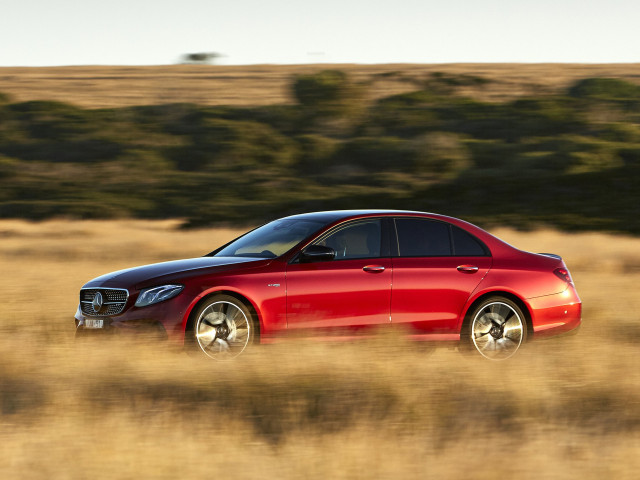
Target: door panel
(339,293)
(429,293)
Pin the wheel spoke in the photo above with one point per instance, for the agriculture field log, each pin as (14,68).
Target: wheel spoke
(207,321)
(512,322)
(483,325)
(206,340)
(513,329)
(494,318)
(514,334)
(240,336)
(510,315)
(501,312)
(491,345)
(236,312)
(506,345)
(223,346)
(206,334)
(214,318)
(232,333)
(483,342)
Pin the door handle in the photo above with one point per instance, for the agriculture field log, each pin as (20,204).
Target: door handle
(373,268)
(467,268)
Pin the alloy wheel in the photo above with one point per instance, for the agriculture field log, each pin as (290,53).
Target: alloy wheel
(223,329)
(497,330)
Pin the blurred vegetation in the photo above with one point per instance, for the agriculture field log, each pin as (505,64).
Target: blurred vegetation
(569,160)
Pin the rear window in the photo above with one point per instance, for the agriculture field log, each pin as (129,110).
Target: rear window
(466,245)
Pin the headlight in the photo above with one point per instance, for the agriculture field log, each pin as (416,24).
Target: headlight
(149,296)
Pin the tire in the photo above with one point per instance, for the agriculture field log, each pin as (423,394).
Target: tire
(497,329)
(223,328)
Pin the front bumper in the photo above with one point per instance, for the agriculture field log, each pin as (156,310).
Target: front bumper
(164,320)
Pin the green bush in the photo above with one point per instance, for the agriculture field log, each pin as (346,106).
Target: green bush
(440,154)
(491,155)
(405,115)
(8,167)
(620,132)
(316,151)
(377,154)
(544,116)
(605,89)
(82,151)
(562,154)
(47,120)
(329,93)
(229,144)
(631,157)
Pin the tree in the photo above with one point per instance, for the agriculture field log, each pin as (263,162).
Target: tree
(203,57)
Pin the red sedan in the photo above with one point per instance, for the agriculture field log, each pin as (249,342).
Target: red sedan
(343,274)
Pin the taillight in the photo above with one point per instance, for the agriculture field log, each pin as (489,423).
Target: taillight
(563,274)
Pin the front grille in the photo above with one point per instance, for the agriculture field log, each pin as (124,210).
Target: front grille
(113,301)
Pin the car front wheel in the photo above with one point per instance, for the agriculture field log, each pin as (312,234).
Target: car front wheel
(498,328)
(223,327)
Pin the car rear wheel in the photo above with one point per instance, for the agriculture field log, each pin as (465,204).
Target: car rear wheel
(223,327)
(498,328)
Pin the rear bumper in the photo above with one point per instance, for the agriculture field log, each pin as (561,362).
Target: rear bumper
(556,314)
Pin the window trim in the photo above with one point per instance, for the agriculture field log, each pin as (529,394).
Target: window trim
(395,236)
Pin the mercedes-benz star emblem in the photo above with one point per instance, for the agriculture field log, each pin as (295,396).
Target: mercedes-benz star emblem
(97,302)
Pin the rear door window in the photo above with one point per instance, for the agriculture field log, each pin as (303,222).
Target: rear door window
(419,237)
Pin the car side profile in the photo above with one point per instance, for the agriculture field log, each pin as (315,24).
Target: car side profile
(343,274)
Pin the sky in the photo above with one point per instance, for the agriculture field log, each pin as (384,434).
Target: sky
(160,32)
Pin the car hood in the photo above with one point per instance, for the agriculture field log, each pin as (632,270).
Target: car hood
(129,277)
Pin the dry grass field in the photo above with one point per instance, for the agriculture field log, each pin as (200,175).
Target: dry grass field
(562,408)
(250,85)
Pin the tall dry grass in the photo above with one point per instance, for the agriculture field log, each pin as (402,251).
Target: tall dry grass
(562,408)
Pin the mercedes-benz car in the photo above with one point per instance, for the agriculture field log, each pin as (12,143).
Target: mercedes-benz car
(343,274)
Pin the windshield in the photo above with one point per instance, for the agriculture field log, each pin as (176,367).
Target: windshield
(271,240)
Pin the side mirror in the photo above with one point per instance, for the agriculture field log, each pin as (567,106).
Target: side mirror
(317,253)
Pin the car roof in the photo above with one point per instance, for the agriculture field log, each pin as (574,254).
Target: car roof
(335,215)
